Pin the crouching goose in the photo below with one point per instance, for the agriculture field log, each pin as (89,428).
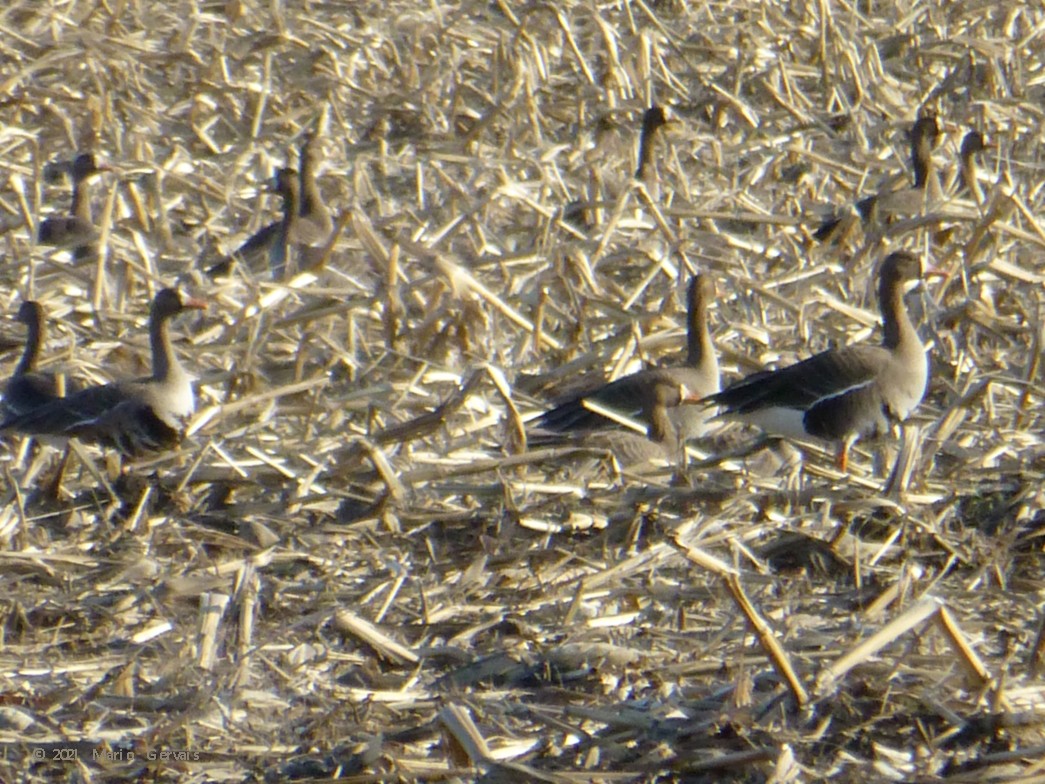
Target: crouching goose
(630,394)
(657,399)
(131,417)
(842,394)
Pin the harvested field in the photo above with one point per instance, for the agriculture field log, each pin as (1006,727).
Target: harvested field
(354,567)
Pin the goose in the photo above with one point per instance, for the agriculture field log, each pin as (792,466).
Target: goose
(699,375)
(132,416)
(973,144)
(844,393)
(660,396)
(653,119)
(306,221)
(75,230)
(28,389)
(904,201)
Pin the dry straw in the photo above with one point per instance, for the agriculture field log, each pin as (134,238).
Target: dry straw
(355,565)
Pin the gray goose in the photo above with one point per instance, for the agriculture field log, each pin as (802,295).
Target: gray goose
(306,218)
(315,223)
(841,394)
(653,120)
(578,212)
(28,389)
(133,416)
(973,144)
(75,230)
(699,375)
(923,137)
(657,399)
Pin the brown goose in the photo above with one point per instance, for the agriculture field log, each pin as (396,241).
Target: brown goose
(579,213)
(653,120)
(28,389)
(75,230)
(131,417)
(657,399)
(842,394)
(923,137)
(700,376)
(315,223)
(972,145)
(289,231)
(306,221)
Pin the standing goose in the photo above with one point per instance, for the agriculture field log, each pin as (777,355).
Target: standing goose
(269,242)
(315,223)
(134,416)
(972,144)
(28,389)
(288,233)
(842,394)
(580,212)
(923,137)
(699,375)
(306,218)
(75,230)
(653,120)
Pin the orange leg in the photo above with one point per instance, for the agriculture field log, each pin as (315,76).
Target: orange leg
(842,457)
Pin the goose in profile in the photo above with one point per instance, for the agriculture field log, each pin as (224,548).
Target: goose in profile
(132,416)
(289,231)
(306,223)
(844,393)
(315,221)
(28,389)
(579,212)
(905,201)
(75,230)
(631,394)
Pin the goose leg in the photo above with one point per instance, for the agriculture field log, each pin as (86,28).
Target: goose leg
(842,456)
(54,487)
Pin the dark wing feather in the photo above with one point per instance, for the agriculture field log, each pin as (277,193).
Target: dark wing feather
(259,240)
(28,392)
(827,228)
(802,385)
(858,411)
(61,415)
(251,252)
(572,414)
(627,395)
(866,208)
(131,428)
